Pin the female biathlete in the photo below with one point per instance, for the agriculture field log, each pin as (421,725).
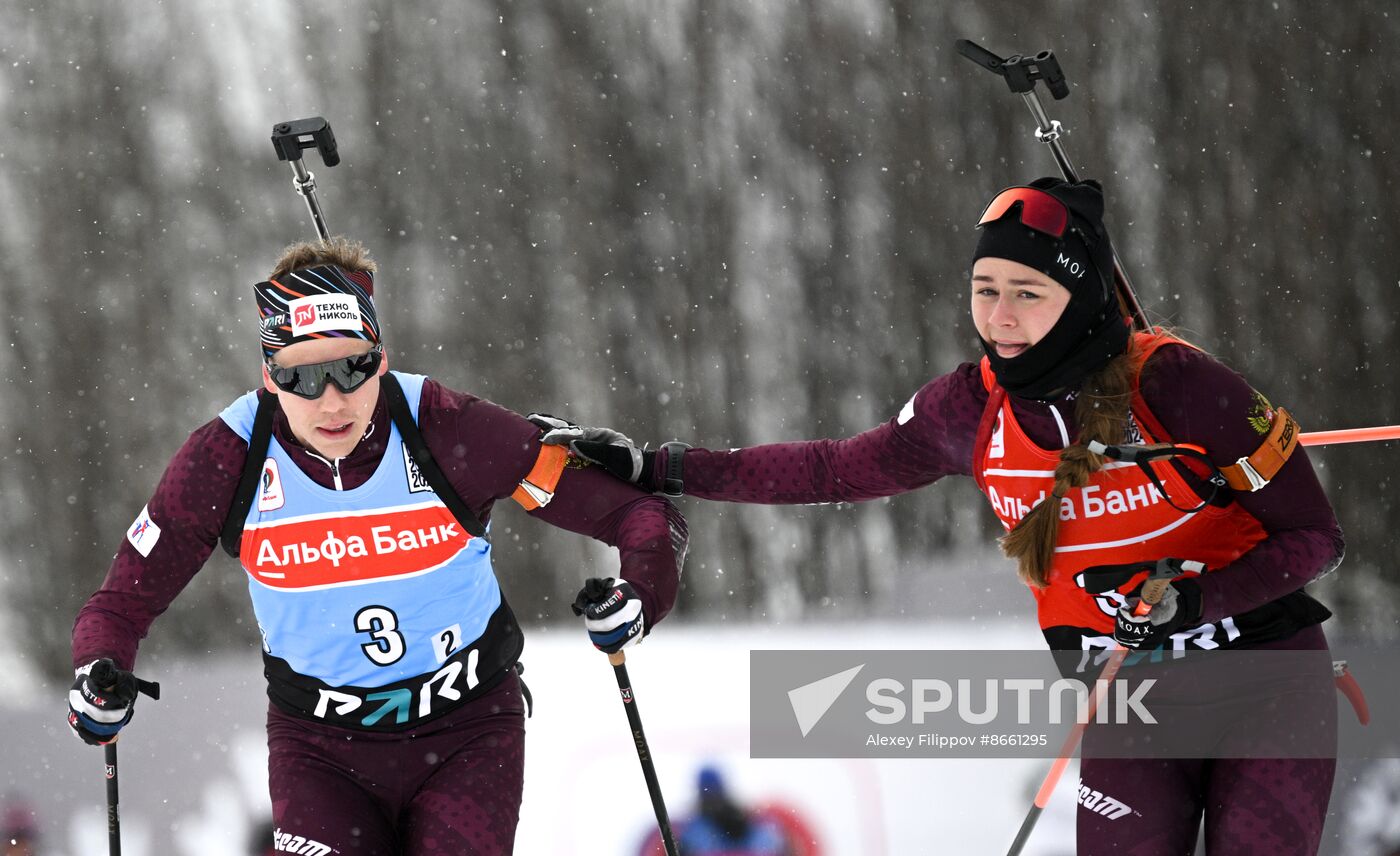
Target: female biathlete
(1062,369)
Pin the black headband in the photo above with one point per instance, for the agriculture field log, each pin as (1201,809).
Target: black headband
(322,302)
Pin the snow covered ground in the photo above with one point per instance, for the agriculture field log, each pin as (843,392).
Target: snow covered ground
(193,764)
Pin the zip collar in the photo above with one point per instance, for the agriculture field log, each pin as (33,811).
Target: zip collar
(354,467)
(334,465)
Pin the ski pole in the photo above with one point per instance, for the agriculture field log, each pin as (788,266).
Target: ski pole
(1350,435)
(114,823)
(104,674)
(289,139)
(1021,73)
(1057,769)
(1152,591)
(634,718)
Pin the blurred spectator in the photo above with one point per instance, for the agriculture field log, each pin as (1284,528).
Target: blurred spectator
(19,829)
(723,827)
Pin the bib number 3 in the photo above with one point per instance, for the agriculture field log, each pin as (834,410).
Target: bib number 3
(381,624)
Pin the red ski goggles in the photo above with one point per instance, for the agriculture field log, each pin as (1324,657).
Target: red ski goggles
(1039,210)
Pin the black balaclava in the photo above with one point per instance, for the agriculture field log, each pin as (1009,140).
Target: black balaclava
(1092,329)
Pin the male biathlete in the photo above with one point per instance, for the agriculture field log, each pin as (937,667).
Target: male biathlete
(396,723)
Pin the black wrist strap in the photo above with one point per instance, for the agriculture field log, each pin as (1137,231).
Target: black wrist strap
(672,484)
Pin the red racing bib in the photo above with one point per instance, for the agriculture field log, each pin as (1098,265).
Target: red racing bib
(1119,517)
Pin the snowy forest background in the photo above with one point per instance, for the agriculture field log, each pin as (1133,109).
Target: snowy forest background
(728,223)
(725,222)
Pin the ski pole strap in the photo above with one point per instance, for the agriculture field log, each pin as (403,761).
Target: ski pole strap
(427,464)
(258,442)
(1100,579)
(104,674)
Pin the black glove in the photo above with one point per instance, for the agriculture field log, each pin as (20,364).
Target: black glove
(103,699)
(612,613)
(623,460)
(609,449)
(1180,607)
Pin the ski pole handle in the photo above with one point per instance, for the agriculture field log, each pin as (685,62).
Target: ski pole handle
(1162,575)
(1152,592)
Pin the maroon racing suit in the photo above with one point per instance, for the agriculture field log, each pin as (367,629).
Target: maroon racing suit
(449,785)
(1197,400)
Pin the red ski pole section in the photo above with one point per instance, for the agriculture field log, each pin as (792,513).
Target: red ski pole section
(1352,690)
(1350,435)
(1057,769)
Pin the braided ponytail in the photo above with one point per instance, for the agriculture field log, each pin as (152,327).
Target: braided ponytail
(1101,413)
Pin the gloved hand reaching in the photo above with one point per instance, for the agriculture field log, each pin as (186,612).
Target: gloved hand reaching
(609,449)
(103,699)
(612,613)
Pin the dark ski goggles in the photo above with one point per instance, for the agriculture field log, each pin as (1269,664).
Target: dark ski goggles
(1039,210)
(309,381)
